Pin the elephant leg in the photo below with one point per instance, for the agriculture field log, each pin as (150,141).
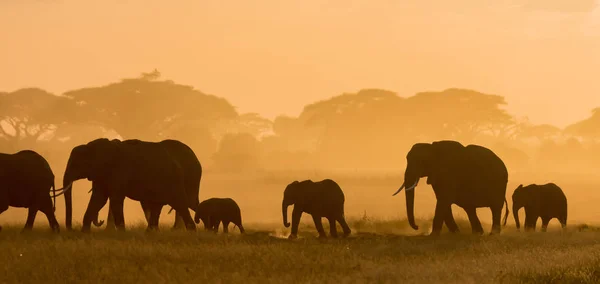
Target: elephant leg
(296,214)
(154,212)
(3,205)
(46,208)
(496,219)
(182,209)
(438,218)
(31,213)
(146,207)
(97,201)
(239,225)
(545,221)
(110,220)
(216,225)
(226,227)
(476,227)
(332,227)
(344,225)
(178,224)
(450,223)
(563,222)
(530,222)
(116,206)
(319,225)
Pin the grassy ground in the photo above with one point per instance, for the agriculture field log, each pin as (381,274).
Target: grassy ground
(375,253)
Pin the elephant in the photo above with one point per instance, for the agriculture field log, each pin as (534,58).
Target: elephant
(192,171)
(140,170)
(26,181)
(469,176)
(320,199)
(546,201)
(214,211)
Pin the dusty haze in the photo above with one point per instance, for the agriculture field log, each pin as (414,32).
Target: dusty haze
(309,90)
(272,57)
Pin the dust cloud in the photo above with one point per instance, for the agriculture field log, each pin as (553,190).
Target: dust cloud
(313,92)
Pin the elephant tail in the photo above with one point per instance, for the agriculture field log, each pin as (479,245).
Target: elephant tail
(505,214)
(53,197)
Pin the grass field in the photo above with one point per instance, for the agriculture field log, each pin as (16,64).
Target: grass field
(381,249)
(264,256)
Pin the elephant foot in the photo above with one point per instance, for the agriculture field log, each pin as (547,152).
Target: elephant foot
(322,237)
(26,229)
(435,234)
(454,231)
(150,230)
(292,237)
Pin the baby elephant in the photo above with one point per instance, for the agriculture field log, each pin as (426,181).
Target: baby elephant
(214,211)
(546,201)
(319,199)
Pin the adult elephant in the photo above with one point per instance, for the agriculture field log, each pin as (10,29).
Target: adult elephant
(26,180)
(320,199)
(470,177)
(192,172)
(140,170)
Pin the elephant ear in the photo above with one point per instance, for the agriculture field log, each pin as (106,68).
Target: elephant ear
(105,154)
(444,161)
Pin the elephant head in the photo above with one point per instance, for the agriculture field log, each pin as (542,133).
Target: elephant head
(433,161)
(519,199)
(291,195)
(93,161)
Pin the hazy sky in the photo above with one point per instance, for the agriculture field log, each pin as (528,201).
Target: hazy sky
(274,56)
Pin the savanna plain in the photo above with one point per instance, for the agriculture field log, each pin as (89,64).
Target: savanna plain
(382,248)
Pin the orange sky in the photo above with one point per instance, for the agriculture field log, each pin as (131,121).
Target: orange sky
(273,56)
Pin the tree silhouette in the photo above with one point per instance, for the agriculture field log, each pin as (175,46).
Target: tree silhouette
(30,114)
(588,128)
(461,114)
(149,109)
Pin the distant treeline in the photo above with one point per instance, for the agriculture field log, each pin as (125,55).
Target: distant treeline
(371,130)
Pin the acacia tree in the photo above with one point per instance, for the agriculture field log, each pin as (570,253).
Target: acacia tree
(30,115)
(461,114)
(588,129)
(149,109)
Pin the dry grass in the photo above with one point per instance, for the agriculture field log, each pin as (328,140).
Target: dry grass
(375,253)
(382,249)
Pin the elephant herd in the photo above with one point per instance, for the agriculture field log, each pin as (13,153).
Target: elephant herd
(169,173)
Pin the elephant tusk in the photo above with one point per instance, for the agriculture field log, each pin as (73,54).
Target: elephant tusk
(63,190)
(413,186)
(400,189)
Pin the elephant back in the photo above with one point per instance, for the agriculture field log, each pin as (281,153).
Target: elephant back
(486,163)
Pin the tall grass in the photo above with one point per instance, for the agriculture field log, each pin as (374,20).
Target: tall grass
(375,253)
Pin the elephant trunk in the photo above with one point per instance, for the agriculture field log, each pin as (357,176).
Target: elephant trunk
(284,210)
(516,216)
(68,180)
(97,222)
(410,208)
(68,204)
